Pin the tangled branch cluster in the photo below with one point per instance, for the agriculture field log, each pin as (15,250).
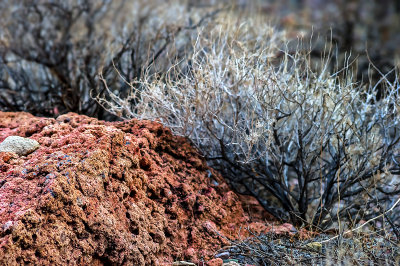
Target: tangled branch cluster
(312,145)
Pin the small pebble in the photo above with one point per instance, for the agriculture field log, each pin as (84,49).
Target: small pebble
(223,255)
(183,263)
(19,145)
(231,263)
(215,262)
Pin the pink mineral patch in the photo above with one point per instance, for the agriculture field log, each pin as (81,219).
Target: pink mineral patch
(101,193)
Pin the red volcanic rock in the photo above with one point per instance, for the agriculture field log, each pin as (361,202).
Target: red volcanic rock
(100,193)
(215,262)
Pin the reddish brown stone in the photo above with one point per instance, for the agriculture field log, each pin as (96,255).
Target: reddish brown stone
(215,262)
(110,193)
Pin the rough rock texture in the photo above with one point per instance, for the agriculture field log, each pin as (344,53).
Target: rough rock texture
(19,145)
(215,262)
(122,193)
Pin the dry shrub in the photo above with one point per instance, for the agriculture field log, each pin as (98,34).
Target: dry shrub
(314,147)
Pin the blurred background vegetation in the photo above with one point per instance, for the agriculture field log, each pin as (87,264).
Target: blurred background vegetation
(52,51)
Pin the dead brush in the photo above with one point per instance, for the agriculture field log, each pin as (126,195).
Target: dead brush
(314,147)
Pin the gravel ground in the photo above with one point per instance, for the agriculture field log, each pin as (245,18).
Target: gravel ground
(272,249)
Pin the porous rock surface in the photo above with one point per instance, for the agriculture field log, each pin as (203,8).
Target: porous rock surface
(121,193)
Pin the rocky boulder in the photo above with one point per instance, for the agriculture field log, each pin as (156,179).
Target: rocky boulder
(121,193)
